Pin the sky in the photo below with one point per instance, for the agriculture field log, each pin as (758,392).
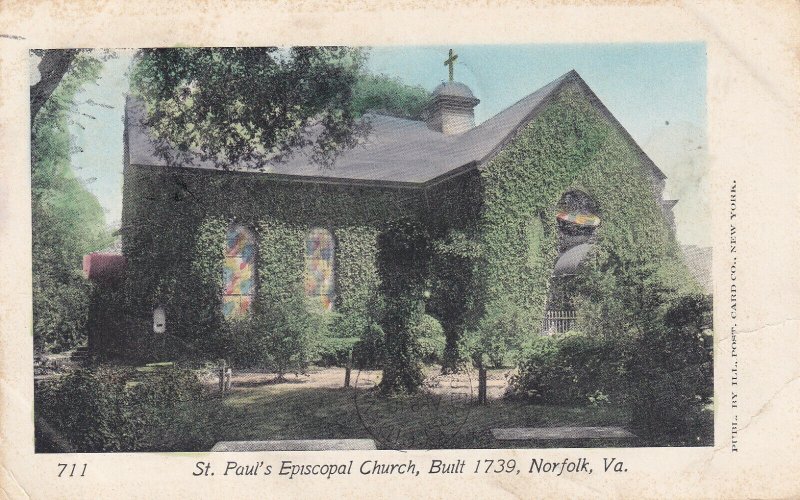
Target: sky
(657,92)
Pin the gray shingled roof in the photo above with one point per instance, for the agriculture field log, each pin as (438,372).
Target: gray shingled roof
(396,152)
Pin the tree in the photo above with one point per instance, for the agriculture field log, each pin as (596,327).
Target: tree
(389,96)
(618,295)
(250,106)
(671,375)
(405,253)
(290,333)
(67,220)
(53,65)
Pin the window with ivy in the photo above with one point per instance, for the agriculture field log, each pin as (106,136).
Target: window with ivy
(238,273)
(320,275)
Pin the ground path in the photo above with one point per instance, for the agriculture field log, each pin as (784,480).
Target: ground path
(333,378)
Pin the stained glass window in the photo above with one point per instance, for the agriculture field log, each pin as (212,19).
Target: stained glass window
(577,215)
(319,268)
(238,273)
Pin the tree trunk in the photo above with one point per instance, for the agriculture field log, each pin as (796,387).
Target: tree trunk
(52,68)
(482,400)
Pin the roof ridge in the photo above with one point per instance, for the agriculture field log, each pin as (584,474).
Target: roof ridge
(401,153)
(556,82)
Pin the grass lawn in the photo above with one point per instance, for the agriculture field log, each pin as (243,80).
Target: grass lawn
(292,411)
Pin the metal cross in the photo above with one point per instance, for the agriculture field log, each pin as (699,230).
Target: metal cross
(450,62)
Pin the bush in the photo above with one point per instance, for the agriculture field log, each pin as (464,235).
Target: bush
(346,325)
(430,338)
(335,351)
(280,336)
(290,335)
(499,332)
(242,344)
(369,351)
(672,378)
(173,411)
(61,307)
(83,412)
(572,369)
(104,409)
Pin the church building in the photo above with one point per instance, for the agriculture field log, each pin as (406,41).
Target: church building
(462,215)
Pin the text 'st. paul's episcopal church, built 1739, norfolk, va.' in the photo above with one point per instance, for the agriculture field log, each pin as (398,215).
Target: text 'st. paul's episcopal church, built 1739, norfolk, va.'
(463,215)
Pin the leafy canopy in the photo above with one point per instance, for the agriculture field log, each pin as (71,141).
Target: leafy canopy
(389,96)
(67,219)
(250,106)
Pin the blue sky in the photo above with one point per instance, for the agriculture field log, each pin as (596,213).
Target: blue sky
(643,84)
(648,87)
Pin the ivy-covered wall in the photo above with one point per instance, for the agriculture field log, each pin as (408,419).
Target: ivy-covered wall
(174,226)
(570,145)
(491,232)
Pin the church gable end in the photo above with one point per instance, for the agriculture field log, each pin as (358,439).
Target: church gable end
(572,144)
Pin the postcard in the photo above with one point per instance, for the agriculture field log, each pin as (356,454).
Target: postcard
(508,250)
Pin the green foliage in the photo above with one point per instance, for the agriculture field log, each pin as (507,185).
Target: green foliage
(67,221)
(252,104)
(430,336)
(572,368)
(402,368)
(171,411)
(405,253)
(664,374)
(288,334)
(85,411)
(570,145)
(672,377)
(388,96)
(623,294)
(241,344)
(104,409)
(282,336)
(175,246)
(370,351)
(486,250)
(347,325)
(344,333)
(502,329)
(336,351)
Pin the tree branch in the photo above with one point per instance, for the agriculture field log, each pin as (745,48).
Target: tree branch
(52,68)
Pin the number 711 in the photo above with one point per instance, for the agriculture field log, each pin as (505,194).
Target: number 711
(71,470)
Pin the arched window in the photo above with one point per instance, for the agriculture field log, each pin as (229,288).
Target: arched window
(577,214)
(238,273)
(319,282)
(578,217)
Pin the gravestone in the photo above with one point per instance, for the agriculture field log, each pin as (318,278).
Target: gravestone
(296,445)
(527,433)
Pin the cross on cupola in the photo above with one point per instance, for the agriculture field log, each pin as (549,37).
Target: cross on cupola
(451,60)
(452,106)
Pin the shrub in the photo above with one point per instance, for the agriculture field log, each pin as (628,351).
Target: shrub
(104,409)
(572,369)
(336,351)
(242,343)
(672,378)
(289,334)
(173,411)
(499,332)
(430,338)
(347,325)
(279,336)
(84,411)
(369,351)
